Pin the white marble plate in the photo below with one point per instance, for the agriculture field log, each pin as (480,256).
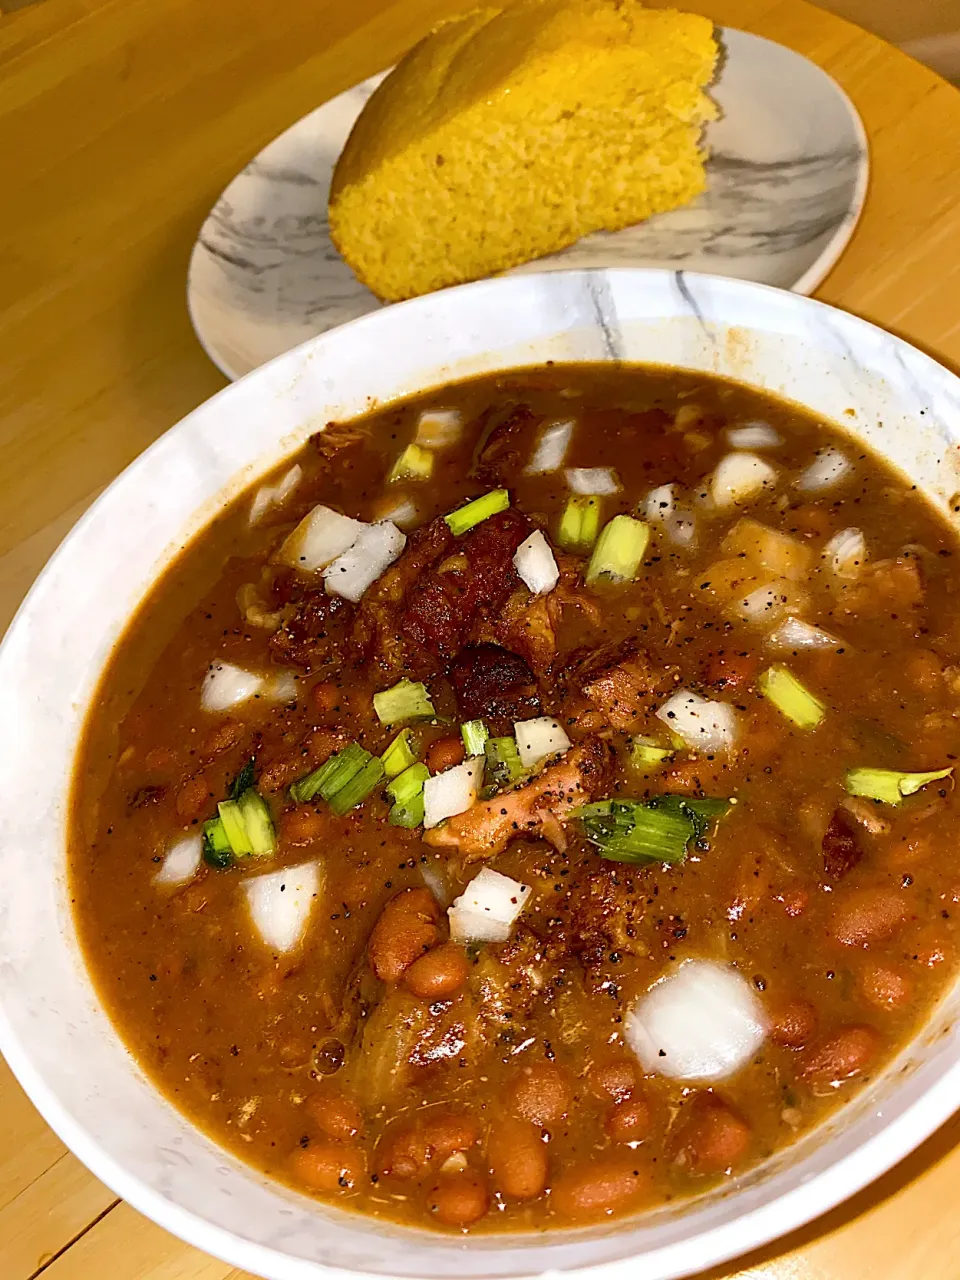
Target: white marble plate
(787,181)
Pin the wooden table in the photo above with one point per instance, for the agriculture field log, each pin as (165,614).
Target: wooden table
(120,121)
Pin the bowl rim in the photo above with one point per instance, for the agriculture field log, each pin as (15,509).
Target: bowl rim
(705,1248)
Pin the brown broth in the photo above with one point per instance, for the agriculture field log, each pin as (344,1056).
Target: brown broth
(240,1039)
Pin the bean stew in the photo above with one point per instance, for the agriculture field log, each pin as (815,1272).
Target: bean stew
(535,802)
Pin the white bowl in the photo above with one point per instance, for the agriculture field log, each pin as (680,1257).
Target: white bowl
(54,1033)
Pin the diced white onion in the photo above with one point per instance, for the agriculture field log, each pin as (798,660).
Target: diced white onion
(659,504)
(754,435)
(794,633)
(740,478)
(357,569)
(551,448)
(845,553)
(274,495)
(681,528)
(828,468)
(435,881)
(438,428)
(701,723)
(701,1022)
(451,792)
(280,903)
(404,513)
(538,738)
(593,481)
(181,862)
(282,687)
(536,564)
(488,908)
(320,537)
(764,605)
(226,686)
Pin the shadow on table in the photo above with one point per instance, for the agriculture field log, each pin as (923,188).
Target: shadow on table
(919,1162)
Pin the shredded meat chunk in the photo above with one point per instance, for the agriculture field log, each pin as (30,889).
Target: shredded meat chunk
(841,845)
(886,589)
(600,914)
(505,446)
(614,685)
(316,633)
(486,829)
(494,684)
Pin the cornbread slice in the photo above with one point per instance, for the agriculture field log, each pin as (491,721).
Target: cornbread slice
(510,133)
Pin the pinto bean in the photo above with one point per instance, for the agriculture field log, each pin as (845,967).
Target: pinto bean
(885,987)
(335,1115)
(303,825)
(194,798)
(539,1094)
(444,753)
(869,915)
(222,737)
(439,974)
(713,1138)
(518,1159)
(458,1199)
(612,1079)
(406,930)
(793,1024)
(411,1147)
(329,1166)
(629,1120)
(601,1187)
(326,698)
(840,1056)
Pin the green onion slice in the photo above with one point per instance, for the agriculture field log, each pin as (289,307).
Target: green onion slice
(579,524)
(475,512)
(409,814)
(415,463)
(503,766)
(357,787)
(407,700)
(660,830)
(400,754)
(475,734)
(645,753)
(619,550)
(889,785)
(258,822)
(409,784)
(235,828)
(216,846)
(790,697)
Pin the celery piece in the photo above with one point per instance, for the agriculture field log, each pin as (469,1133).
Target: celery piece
(480,509)
(889,785)
(619,550)
(414,463)
(407,700)
(790,697)
(579,524)
(400,754)
(475,734)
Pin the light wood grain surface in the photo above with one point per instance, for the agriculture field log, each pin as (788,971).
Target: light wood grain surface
(120,121)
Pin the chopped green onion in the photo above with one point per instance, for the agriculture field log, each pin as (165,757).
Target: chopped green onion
(399,755)
(660,830)
(480,509)
(409,784)
(503,765)
(216,846)
(357,787)
(325,780)
(243,781)
(889,785)
(644,753)
(407,700)
(409,814)
(258,822)
(235,828)
(415,463)
(579,524)
(619,550)
(790,697)
(475,734)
